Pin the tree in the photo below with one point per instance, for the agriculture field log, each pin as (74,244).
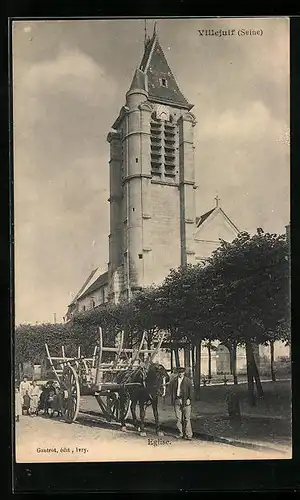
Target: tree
(30,340)
(239,297)
(250,285)
(273,375)
(146,313)
(85,326)
(233,350)
(185,311)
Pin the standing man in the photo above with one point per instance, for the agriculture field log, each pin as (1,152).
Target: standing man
(181,391)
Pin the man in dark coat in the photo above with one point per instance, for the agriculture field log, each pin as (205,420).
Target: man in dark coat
(181,391)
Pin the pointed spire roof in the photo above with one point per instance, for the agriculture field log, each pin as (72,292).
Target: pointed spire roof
(160,82)
(138,81)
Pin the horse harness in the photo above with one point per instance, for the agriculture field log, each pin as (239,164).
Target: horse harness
(143,370)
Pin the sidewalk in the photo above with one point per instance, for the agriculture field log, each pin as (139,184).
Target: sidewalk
(266,425)
(260,429)
(256,431)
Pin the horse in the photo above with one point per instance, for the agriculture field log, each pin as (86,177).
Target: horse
(151,383)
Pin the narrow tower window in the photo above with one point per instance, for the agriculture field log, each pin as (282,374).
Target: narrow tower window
(163,82)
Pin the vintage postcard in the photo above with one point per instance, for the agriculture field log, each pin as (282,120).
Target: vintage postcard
(151,165)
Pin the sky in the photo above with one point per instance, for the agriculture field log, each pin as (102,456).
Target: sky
(69,83)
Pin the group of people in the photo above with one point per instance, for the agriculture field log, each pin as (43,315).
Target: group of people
(27,398)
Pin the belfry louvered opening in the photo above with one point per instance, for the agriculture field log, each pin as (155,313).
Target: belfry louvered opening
(169,150)
(156,148)
(163,137)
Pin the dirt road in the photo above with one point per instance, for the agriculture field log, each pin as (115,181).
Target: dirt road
(41,439)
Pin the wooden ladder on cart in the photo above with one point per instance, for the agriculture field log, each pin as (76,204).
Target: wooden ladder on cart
(68,373)
(107,393)
(133,356)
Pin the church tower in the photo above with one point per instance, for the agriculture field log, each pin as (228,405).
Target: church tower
(152,179)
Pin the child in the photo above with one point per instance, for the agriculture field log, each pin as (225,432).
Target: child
(18,404)
(24,386)
(26,403)
(35,393)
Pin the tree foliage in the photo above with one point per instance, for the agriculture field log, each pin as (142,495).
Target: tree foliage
(30,341)
(251,286)
(239,296)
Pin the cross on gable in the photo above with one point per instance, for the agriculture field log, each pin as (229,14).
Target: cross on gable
(217,200)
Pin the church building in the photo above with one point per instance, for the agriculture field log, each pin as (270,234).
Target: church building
(153,222)
(154,226)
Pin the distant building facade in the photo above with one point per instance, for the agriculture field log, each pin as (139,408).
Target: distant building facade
(93,293)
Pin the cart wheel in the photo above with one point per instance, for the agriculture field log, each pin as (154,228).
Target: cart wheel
(113,405)
(70,394)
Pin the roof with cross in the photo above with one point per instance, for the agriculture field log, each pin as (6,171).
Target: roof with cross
(217,209)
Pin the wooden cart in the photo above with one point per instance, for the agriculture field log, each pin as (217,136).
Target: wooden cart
(92,376)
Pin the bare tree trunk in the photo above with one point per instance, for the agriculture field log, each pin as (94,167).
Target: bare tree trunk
(251,393)
(193,364)
(209,358)
(198,370)
(176,354)
(255,349)
(256,375)
(233,364)
(187,357)
(231,357)
(273,374)
(253,369)
(171,360)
